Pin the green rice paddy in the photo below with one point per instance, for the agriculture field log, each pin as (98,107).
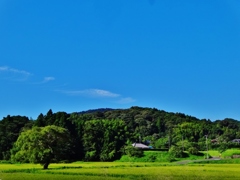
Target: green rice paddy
(120,171)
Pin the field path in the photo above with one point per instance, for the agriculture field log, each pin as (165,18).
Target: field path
(189,161)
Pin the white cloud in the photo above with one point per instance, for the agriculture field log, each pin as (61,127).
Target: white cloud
(47,79)
(93,93)
(12,70)
(103,93)
(14,74)
(126,100)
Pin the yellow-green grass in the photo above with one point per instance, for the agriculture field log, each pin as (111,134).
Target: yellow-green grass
(169,172)
(39,176)
(117,171)
(225,154)
(230,152)
(18,167)
(211,153)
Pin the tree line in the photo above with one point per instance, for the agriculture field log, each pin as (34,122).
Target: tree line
(102,134)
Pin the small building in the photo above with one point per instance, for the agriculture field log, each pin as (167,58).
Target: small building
(214,141)
(236,140)
(140,146)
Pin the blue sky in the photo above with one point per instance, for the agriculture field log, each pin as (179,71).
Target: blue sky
(177,56)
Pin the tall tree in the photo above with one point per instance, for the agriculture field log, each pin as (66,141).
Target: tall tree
(103,139)
(10,128)
(41,145)
(40,122)
(93,137)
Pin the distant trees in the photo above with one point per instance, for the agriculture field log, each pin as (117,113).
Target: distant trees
(103,139)
(100,135)
(10,128)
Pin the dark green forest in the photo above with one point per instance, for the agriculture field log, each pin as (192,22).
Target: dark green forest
(102,134)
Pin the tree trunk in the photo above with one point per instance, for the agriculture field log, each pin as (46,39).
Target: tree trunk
(45,166)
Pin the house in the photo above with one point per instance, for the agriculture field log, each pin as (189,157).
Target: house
(236,140)
(214,141)
(140,146)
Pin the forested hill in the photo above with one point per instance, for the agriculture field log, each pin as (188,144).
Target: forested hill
(95,110)
(100,134)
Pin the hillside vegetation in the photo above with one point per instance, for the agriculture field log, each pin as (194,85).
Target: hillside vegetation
(105,134)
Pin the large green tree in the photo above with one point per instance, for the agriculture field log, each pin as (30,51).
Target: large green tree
(41,145)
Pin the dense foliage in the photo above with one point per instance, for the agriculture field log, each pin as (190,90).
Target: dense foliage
(10,127)
(100,135)
(41,145)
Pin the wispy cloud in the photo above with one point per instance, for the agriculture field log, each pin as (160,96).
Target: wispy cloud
(126,100)
(96,93)
(15,74)
(47,79)
(3,68)
(93,93)
(17,71)
(104,93)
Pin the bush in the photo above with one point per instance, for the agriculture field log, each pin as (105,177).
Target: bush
(161,143)
(5,162)
(184,144)
(193,150)
(148,156)
(91,156)
(171,158)
(202,146)
(176,152)
(133,152)
(152,157)
(223,147)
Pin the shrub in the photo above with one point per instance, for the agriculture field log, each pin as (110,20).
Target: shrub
(133,152)
(5,162)
(193,150)
(223,147)
(185,144)
(176,152)
(152,157)
(171,158)
(161,143)
(90,156)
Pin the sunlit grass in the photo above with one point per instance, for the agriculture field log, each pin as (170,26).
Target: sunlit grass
(225,154)
(120,170)
(231,152)
(212,153)
(19,166)
(27,176)
(155,170)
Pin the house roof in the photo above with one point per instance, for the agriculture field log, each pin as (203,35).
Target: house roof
(140,145)
(236,140)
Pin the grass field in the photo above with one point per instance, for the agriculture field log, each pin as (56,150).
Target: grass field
(159,156)
(226,154)
(120,171)
(132,168)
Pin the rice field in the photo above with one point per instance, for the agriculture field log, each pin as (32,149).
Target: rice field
(120,171)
